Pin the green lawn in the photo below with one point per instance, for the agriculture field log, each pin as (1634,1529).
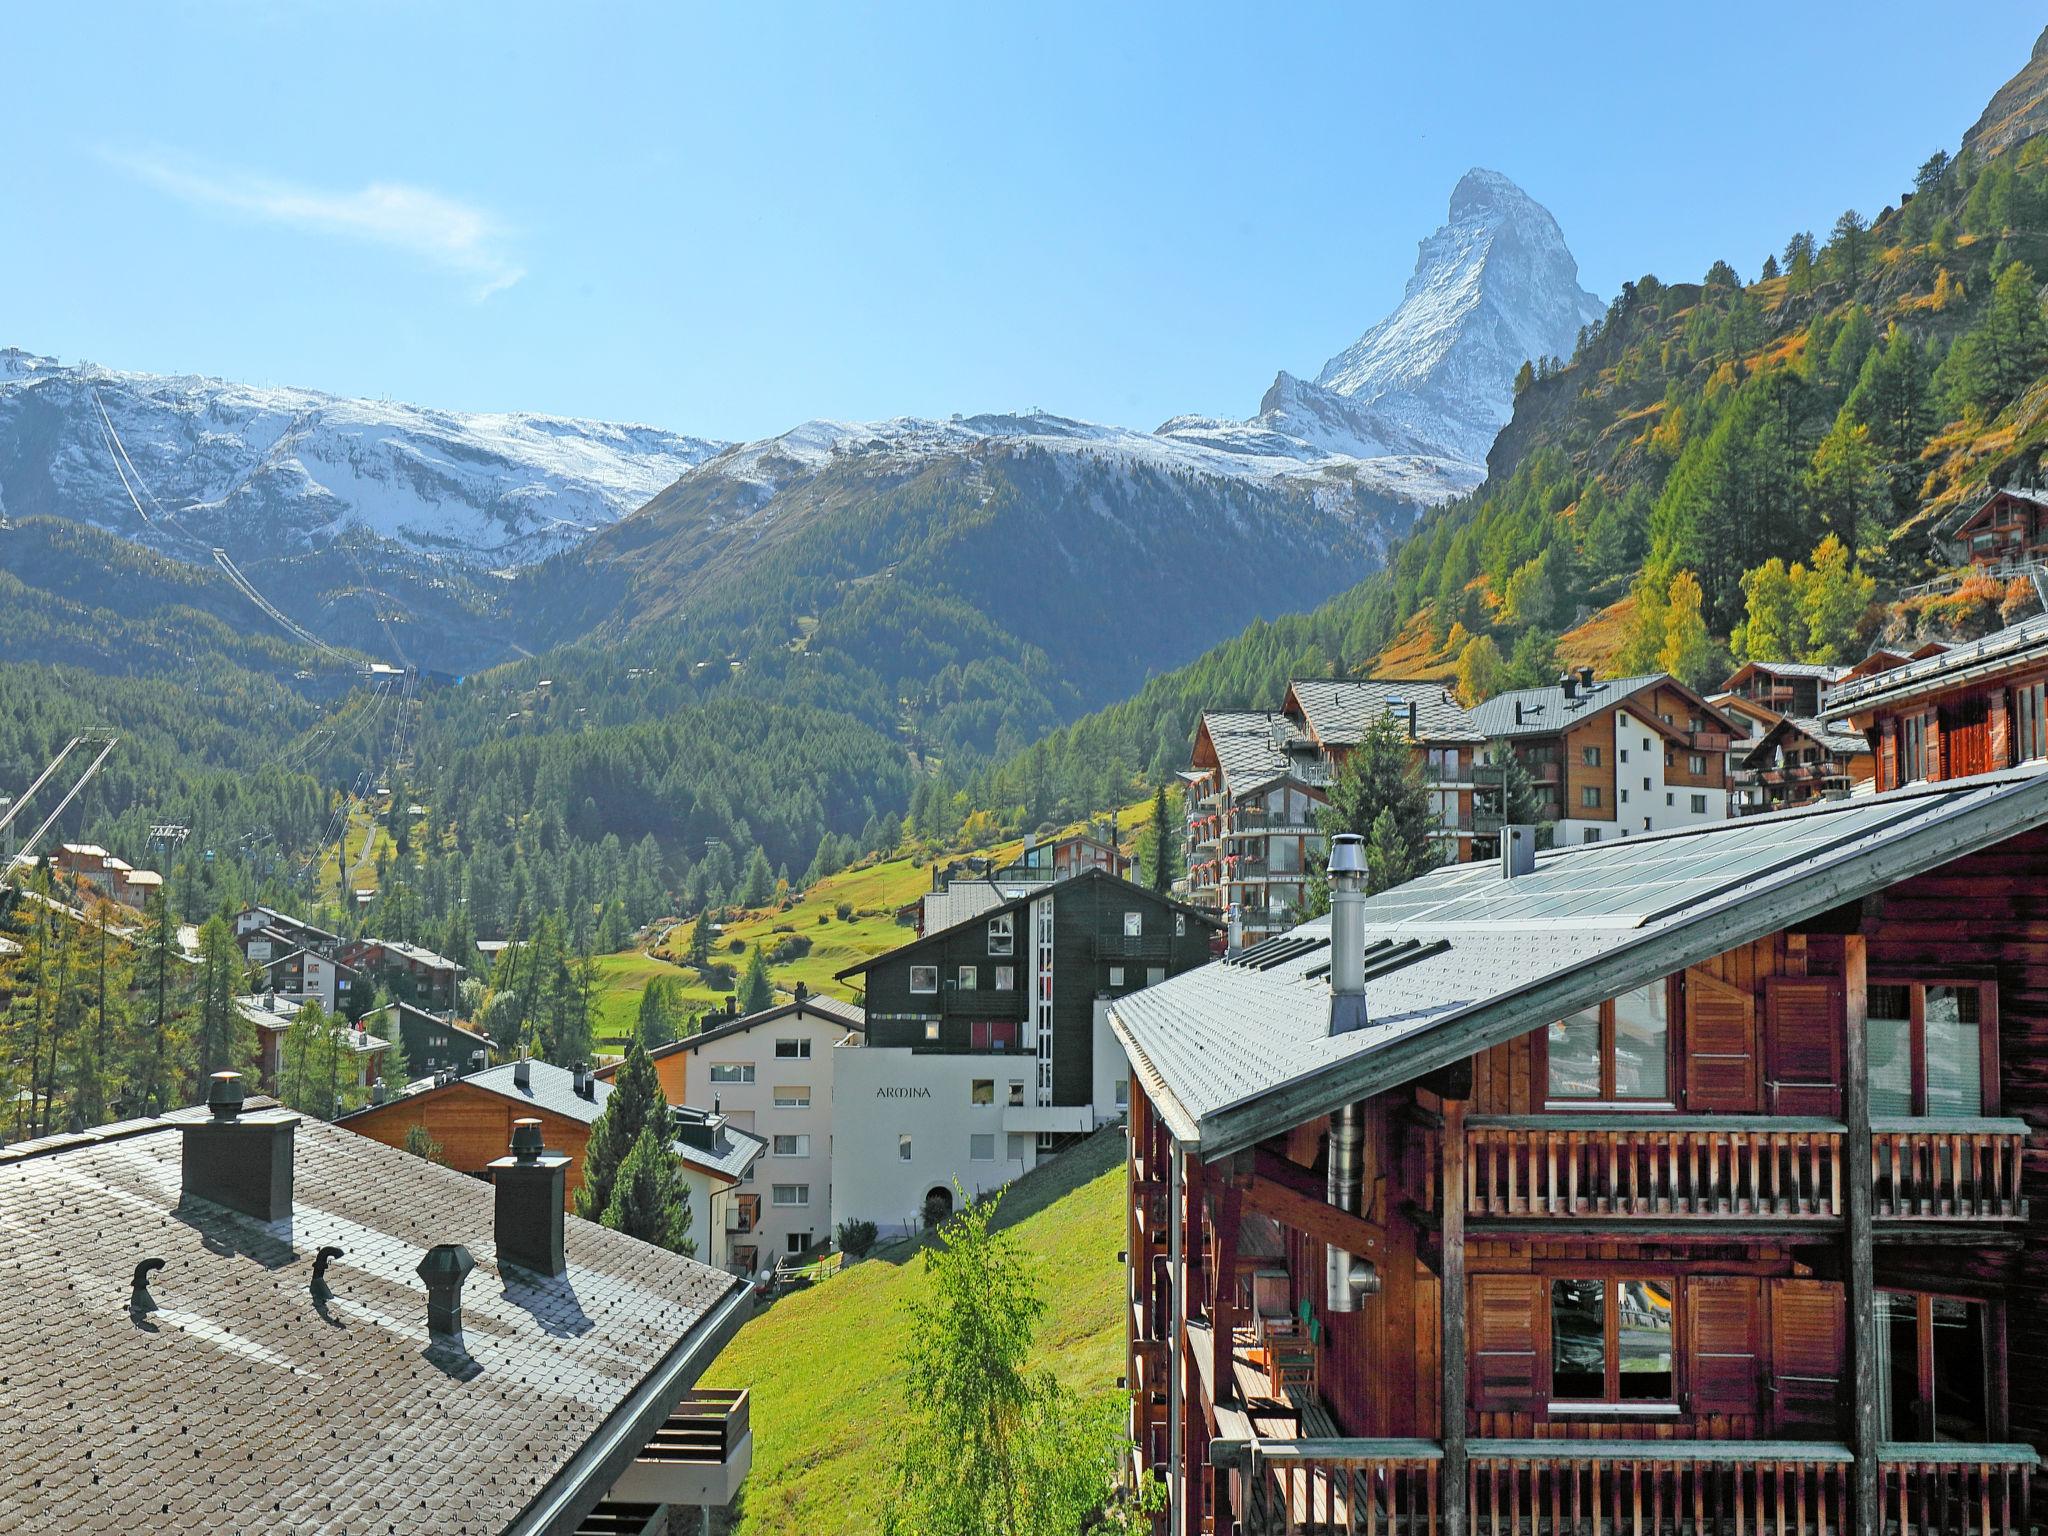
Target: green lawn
(823,1365)
(620,980)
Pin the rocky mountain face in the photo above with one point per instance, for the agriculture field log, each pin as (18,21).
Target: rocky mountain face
(1493,287)
(269,473)
(2018,110)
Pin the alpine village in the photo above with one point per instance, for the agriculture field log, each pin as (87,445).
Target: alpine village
(1466,956)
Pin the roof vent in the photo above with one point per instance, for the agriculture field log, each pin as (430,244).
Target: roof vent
(522,1075)
(241,1161)
(1517,852)
(1347,933)
(1518,711)
(1570,685)
(1586,678)
(585,1086)
(444,1269)
(532,1189)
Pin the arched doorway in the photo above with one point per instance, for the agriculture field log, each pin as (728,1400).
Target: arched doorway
(938,1205)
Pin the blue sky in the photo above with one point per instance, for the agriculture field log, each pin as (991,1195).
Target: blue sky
(727,220)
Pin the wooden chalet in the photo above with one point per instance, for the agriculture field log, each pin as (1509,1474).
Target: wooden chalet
(1799,760)
(1683,1184)
(2005,534)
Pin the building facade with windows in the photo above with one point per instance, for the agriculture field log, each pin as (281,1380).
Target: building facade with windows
(981,1048)
(1251,807)
(770,1074)
(1616,758)
(1690,1183)
(1332,716)
(1799,760)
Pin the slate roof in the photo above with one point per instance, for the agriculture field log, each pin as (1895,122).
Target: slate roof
(2001,648)
(1847,743)
(1546,711)
(1339,711)
(829,1009)
(1243,740)
(233,1399)
(731,1153)
(548,1087)
(1232,1052)
(1827,672)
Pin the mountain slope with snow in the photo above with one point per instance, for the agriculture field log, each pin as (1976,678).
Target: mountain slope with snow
(1494,286)
(273,472)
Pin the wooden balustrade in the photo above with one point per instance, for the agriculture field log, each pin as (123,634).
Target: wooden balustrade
(1948,1170)
(1625,1488)
(1707,1166)
(1653,1165)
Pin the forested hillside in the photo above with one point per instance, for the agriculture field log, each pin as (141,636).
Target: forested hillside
(1749,465)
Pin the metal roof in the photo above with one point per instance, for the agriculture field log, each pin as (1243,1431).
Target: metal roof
(829,1009)
(1827,672)
(1232,1053)
(1340,711)
(1547,710)
(1849,743)
(1999,649)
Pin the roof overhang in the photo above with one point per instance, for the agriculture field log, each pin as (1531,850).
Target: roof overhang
(1654,950)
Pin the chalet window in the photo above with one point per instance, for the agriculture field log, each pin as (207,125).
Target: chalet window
(1696,762)
(1134,925)
(1116,975)
(1611,1341)
(983,1091)
(1006,978)
(1616,1051)
(1590,756)
(1913,749)
(1699,805)
(732,1072)
(790,1194)
(993,1035)
(1002,935)
(1016,1093)
(1927,1047)
(1589,796)
(1180,925)
(969,979)
(1932,1353)
(931,1030)
(793,1050)
(787,1097)
(1154,974)
(903,1147)
(924,978)
(792,1146)
(2030,723)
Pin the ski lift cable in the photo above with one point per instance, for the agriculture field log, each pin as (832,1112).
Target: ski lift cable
(29,793)
(28,848)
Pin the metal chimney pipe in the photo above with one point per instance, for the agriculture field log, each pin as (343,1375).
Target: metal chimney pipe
(1346,1278)
(1347,933)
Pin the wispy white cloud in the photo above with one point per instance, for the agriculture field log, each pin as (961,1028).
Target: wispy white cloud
(458,236)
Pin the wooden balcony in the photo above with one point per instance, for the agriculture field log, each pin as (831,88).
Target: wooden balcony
(699,1456)
(1670,1487)
(1540,1168)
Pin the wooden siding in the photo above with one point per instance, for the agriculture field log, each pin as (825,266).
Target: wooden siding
(473,1127)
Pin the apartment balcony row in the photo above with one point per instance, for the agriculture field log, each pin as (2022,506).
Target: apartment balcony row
(983,1002)
(1308,1487)
(1543,1169)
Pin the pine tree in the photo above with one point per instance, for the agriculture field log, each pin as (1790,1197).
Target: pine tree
(651,1195)
(1849,246)
(1844,486)
(1159,846)
(636,1104)
(757,885)
(225,1040)
(699,953)
(1380,793)
(756,991)
(1770,268)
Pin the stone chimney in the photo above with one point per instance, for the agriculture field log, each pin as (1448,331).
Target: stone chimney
(531,1192)
(241,1161)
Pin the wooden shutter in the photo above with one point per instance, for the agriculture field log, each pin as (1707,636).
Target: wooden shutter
(1803,1045)
(1888,757)
(1725,1340)
(1721,1068)
(1807,1347)
(1506,1323)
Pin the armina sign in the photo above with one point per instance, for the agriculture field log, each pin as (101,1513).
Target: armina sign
(903,1093)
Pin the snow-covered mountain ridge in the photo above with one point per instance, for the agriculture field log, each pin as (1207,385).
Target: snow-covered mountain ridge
(271,471)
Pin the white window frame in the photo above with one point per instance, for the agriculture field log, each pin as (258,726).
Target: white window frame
(799,1144)
(799,1196)
(1134,925)
(975,1088)
(732,1073)
(1116,975)
(1006,978)
(929,976)
(976,1141)
(793,1096)
(799,1048)
(1002,934)
(968,978)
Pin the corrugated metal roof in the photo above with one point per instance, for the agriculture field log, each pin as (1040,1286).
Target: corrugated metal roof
(2003,647)
(1340,711)
(1547,710)
(1231,1052)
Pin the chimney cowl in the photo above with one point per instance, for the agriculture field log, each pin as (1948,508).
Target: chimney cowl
(527,1144)
(225,1095)
(584,1089)
(1517,851)
(1570,684)
(239,1160)
(531,1190)
(1586,678)
(444,1269)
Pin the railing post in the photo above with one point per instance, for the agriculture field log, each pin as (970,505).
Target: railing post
(1453,1308)
(1861,1266)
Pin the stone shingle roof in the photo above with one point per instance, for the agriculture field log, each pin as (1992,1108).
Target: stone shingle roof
(1546,711)
(731,1153)
(1340,711)
(234,1399)
(1243,740)
(1233,1051)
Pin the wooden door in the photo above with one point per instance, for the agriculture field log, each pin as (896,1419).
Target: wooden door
(1803,1045)
(1808,1364)
(1724,1365)
(1722,1073)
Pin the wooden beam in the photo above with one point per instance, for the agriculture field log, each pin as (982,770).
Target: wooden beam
(1453,1309)
(1859,1259)
(1314,1217)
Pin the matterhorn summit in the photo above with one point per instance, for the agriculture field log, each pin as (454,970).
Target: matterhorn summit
(1494,286)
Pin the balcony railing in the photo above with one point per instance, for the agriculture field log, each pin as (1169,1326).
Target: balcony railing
(1729,1166)
(700,1456)
(1670,1487)
(1132,946)
(984,1003)
(744,1214)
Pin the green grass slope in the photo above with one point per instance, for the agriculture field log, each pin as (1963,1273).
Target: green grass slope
(823,1365)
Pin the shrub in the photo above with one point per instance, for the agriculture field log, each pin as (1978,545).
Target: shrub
(795,947)
(737,946)
(856,1237)
(844,911)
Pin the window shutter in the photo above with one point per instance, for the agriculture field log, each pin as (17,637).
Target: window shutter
(1721,1075)
(1506,1324)
(1807,1346)
(1725,1326)
(1803,1035)
(1888,757)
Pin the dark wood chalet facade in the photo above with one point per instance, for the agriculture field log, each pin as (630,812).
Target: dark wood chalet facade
(1024,976)
(1693,1183)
